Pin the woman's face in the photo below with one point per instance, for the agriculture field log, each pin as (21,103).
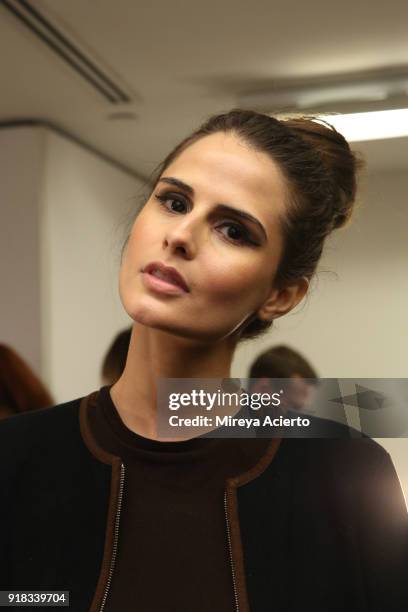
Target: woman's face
(214,217)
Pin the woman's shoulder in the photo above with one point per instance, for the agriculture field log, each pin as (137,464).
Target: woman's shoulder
(20,433)
(339,445)
(43,417)
(332,453)
(326,438)
(347,467)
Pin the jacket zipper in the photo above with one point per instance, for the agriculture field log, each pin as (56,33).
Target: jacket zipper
(230,553)
(115,537)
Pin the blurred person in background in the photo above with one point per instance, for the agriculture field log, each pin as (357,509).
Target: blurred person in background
(115,358)
(283,362)
(96,502)
(20,389)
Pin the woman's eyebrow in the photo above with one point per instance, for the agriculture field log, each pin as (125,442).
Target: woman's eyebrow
(223,207)
(174,181)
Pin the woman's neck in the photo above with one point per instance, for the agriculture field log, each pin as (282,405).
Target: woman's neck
(155,354)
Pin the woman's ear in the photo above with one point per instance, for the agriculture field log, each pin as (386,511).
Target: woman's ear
(283,300)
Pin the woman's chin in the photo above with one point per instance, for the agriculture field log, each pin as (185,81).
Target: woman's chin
(176,329)
(180,326)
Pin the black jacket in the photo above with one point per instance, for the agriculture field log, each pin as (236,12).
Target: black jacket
(319,524)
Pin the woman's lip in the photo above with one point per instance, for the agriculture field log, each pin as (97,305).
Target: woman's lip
(161,286)
(167,273)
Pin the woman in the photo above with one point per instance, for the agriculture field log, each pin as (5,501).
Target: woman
(97,504)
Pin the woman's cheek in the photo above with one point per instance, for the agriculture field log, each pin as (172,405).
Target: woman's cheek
(130,282)
(224,285)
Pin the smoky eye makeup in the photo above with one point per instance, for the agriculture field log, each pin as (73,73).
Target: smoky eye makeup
(224,216)
(167,196)
(244,233)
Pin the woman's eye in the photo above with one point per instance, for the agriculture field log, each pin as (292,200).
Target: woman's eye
(172,202)
(236,232)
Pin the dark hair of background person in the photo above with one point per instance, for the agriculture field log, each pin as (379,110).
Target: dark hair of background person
(320,171)
(115,358)
(281,362)
(20,389)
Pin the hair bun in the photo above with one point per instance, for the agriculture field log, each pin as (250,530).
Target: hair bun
(342,163)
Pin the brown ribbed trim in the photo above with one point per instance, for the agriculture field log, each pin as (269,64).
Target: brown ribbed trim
(100,454)
(235,532)
(88,403)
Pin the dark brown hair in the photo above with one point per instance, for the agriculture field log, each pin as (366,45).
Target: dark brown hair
(20,389)
(320,172)
(281,362)
(115,358)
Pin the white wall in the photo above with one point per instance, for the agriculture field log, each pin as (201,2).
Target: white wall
(62,221)
(85,205)
(21,173)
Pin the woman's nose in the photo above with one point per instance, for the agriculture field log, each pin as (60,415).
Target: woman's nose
(183,238)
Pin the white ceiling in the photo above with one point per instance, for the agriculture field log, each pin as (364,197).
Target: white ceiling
(183,60)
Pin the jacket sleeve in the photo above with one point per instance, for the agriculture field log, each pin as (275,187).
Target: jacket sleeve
(7,471)
(14,445)
(383,530)
(4,538)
